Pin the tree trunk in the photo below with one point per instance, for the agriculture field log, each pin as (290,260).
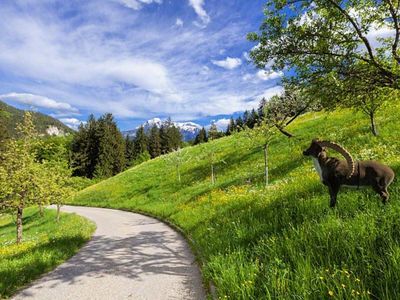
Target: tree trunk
(58,212)
(212,174)
(41,209)
(373,125)
(266,164)
(19,224)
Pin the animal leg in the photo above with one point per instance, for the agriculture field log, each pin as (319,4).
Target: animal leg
(333,191)
(382,192)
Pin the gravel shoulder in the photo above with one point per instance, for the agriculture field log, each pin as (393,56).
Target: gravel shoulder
(130,256)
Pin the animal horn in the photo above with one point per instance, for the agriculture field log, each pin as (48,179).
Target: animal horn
(344,152)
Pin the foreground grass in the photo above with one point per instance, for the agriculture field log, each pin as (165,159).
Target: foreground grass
(45,245)
(282,242)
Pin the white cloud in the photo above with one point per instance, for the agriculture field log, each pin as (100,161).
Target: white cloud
(39,101)
(137,4)
(269,75)
(72,122)
(229,63)
(222,124)
(200,11)
(179,22)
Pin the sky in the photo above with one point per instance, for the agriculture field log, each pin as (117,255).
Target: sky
(137,59)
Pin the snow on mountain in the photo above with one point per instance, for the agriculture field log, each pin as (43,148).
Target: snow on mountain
(189,130)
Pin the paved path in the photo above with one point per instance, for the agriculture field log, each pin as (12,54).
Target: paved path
(130,256)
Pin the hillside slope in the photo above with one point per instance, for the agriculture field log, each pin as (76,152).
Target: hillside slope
(283,242)
(11,116)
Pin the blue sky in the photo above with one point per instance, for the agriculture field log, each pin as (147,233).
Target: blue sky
(137,59)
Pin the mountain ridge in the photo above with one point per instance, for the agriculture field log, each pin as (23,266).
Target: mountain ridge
(44,124)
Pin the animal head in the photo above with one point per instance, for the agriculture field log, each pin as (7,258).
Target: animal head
(317,147)
(314,149)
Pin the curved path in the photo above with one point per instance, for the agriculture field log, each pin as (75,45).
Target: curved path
(130,256)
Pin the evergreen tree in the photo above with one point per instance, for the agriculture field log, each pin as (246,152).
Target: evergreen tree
(129,151)
(213,133)
(201,137)
(140,142)
(231,127)
(261,109)
(154,145)
(252,119)
(171,138)
(239,124)
(111,151)
(246,117)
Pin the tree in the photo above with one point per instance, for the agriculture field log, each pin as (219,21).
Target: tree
(19,172)
(176,160)
(140,142)
(213,132)
(321,39)
(239,125)
(111,148)
(3,126)
(285,108)
(154,145)
(265,132)
(201,137)
(231,127)
(85,149)
(170,136)
(129,151)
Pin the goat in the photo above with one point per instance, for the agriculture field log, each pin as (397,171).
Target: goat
(335,173)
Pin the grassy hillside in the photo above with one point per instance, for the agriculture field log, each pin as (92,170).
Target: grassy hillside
(283,242)
(11,116)
(45,245)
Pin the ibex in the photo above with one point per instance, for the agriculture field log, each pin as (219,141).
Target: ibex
(335,173)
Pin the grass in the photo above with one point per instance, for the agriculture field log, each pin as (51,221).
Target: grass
(45,245)
(283,242)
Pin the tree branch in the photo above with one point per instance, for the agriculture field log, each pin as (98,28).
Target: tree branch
(357,29)
(393,13)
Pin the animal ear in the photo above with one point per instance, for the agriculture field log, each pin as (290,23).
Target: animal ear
(315,140)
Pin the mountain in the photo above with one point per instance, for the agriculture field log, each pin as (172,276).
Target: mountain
(189,130)
(45,124)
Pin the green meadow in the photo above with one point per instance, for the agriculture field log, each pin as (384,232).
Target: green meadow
(45,245)
(280,242)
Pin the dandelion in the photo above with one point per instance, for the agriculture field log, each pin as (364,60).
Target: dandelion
(330,293)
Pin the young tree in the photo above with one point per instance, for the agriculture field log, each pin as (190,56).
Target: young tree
(265,132)
(285,108)
(176,160)
(20,172)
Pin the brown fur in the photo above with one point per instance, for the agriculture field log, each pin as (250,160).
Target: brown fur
(366,173)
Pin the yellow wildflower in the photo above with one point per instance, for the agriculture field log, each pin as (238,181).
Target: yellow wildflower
(330,293)
(343,285)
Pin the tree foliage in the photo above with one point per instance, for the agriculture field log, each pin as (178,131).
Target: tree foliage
(331,38)
(98,148)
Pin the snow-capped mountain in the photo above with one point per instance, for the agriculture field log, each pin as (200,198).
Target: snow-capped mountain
(189,130)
